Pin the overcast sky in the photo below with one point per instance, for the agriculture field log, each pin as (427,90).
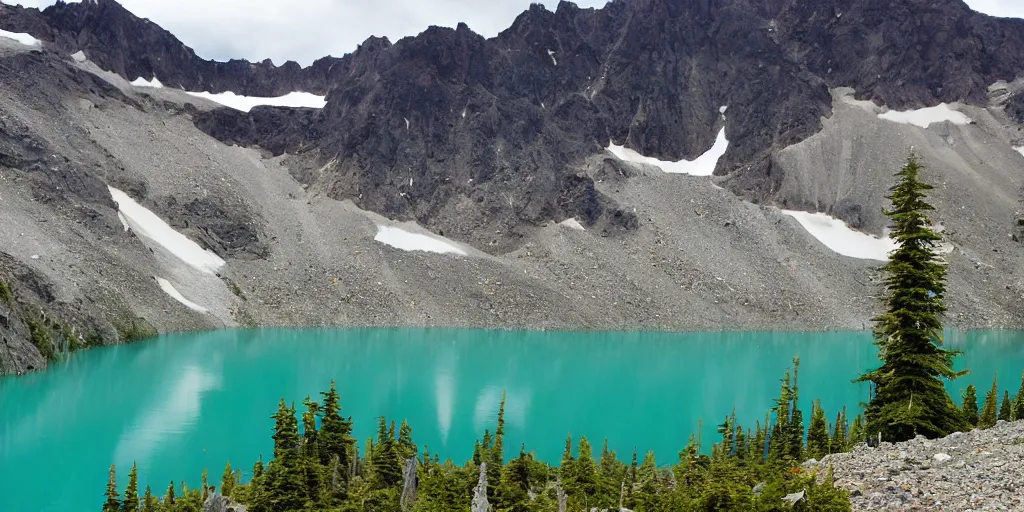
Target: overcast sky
(304,30)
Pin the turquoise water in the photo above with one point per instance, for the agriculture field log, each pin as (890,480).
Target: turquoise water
(182,403)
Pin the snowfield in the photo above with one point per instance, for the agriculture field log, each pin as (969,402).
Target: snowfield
(142,82)
(149,226)
(924,117)
(21,37)
(572,223)
(169,288)
(839,237)
(703,165)
(406,241)
(246,103)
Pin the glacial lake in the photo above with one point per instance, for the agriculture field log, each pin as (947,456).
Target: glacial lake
(181,403)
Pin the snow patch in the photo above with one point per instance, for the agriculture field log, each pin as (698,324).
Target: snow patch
(1019,149)
(149,226)
(142,82)
(246,103)
(78,56)
(20,37)
(169,288)
(839,237)
(722,109)
(406,241)
(924,117)
(703,165)
(551,54)
(572,223)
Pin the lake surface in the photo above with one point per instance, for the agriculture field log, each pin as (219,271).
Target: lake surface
(186,402)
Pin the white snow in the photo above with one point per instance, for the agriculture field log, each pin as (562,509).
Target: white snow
(169,288)
(78,56)
(572,223)
(406,241)
(703,165)
(1019,149)
(246,103)
(148,225)
(924,117)
(142,82)
(20,37)
(839,237)
(722,109)
(551,54)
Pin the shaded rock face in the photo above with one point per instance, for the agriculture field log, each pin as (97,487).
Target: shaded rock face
(482,138)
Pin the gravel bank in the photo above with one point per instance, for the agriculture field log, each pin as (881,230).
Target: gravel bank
(966,471)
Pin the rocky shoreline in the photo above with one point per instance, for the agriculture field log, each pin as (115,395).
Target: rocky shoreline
(965,471)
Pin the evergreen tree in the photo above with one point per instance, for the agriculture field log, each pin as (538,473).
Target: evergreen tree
(386,467)
(257,468)
(566,471)
(227,480)
(310,448)
(988,411)
(585,470)
(335,436)
(206,485)
(286,431)
(838,443)
(150,503)
(1006,407)
(1018,401)
(909,396)
(513,494)
(169,498)
(857,434)
(970,406)
(817,433)
(113,502)
(131,493)
(406,448)
(285,486)
(757,446)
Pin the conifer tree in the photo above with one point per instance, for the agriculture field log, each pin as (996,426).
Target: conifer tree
(407,449)
(169,498)
(585,474)
(1018,402)
(206,485)
(757,447)
(817,433)
(310,448)
(566,471)
(131,493)
(335,436)
(150,503)
(857,434)
(227,480)
(989,412)
(838,443)
(908,395)
(1006,407)
(113,502)
(285,476)
(970,406)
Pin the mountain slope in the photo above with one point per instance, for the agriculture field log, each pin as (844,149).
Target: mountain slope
(491,144)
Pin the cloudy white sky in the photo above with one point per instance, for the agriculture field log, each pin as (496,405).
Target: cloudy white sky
(304,30)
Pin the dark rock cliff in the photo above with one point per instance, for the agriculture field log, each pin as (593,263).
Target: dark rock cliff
(481,138)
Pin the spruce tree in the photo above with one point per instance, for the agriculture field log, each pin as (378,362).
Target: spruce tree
(150,503)
(227,480)
(1006,408)
(169,498)
(257,468)
(908,395)
(309,432)
(838,443)
(1018,401)
(285,486)
(585,470)
(817,433)
(970,406)
(335,436)
(113,502)
(131,493)
(857,434)
(989,411)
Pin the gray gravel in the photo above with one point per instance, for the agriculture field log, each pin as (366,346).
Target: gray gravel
(969,471)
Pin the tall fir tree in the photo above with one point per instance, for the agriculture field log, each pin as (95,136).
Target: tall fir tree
(817,433)
(227,480)
(585,474)
(970,406)
(131,493)
(310,446)
(857,434)
(335,436)
(908,395)
(1018,401)
(169,498)
(989,411)
(150,503)
(113,501)
(285,486)
(838,443)
(1006,408)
